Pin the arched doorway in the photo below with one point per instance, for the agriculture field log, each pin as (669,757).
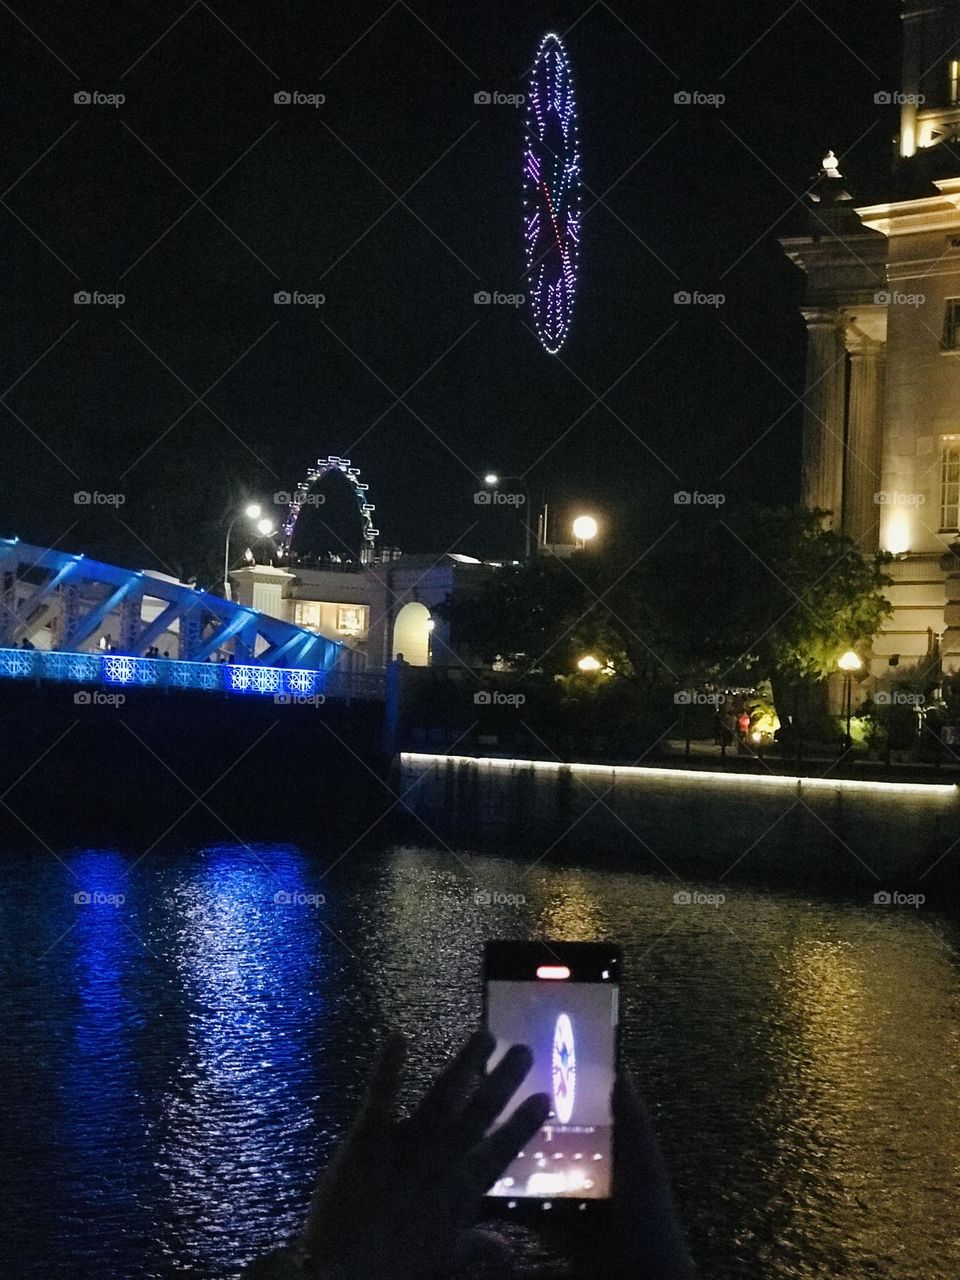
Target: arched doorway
(411,634)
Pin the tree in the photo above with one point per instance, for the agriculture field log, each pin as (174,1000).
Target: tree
(763,595)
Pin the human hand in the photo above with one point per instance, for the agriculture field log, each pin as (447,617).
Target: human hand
(644,1239)
(400,1199)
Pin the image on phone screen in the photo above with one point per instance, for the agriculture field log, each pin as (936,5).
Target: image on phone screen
(571,1027)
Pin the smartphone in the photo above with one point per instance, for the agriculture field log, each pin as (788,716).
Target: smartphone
(562,1000)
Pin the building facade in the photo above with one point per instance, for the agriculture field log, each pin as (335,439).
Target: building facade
(881,431)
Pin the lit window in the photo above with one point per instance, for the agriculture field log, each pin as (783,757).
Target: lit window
(951,325)
(953,72)
(306,613)
(950,483)
(350,619)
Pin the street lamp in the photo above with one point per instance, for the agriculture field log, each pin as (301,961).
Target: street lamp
(589,663)
(491,479)
(848,663)
(584,528)
(252,511)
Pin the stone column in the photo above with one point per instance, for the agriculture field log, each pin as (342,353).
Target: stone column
(823,402)
(861,513)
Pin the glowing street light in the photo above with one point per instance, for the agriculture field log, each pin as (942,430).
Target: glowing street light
(848,663)
(584,528)
(252,511)
(491,479)
(590,663)
(265,528)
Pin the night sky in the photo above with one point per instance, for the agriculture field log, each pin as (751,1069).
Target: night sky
(302,198)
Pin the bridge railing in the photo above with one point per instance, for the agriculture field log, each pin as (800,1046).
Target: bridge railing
(118,670)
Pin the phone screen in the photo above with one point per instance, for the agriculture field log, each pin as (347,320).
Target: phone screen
(563,1001)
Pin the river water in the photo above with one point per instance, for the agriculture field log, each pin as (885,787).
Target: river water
(176,1065)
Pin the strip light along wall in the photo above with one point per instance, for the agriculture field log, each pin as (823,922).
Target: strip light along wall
(768,780)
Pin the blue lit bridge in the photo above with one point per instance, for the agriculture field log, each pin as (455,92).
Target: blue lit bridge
(91,623)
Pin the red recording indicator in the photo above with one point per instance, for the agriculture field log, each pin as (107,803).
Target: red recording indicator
(553,971)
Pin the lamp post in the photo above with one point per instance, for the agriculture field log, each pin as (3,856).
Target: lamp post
(848,663)
(252,511)
(491,479)
(584,528)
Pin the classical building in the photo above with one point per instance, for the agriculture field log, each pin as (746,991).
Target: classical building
(881,434)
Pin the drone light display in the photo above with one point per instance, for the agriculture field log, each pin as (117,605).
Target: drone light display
(551,194)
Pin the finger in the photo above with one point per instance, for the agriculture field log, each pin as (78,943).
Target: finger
(447,1094)
(640,1167)
(493,1155)
(491,1097)
(380,1102)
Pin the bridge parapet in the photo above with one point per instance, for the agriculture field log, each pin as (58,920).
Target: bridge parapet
(115,670)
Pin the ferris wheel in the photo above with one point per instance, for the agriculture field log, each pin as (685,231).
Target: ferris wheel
(306,494)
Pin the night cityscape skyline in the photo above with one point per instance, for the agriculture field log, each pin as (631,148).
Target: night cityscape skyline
(398,368)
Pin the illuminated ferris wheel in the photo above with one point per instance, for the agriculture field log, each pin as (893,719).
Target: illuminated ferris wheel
(308,494)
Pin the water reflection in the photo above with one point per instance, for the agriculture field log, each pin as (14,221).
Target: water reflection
(236,1124)
(176,1066)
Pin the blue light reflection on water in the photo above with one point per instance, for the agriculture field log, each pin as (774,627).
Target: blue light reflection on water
(176,1066)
